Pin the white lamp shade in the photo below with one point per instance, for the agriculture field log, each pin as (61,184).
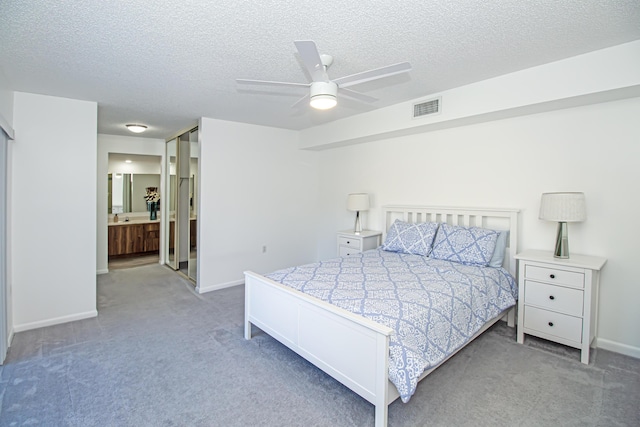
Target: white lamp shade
(358,202)
(563,207)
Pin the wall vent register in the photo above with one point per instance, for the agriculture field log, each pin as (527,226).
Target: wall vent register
(426,108)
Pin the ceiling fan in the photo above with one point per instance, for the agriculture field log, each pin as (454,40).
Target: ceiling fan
(323,92)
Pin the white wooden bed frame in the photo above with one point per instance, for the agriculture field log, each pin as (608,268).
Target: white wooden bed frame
(352,349)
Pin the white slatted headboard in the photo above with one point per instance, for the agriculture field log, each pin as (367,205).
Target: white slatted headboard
(495,219)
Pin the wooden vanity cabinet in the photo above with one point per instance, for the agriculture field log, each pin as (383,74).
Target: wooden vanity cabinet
(127,239)
(152,237)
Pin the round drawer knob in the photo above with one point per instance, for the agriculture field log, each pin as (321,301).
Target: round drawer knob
(553,276)
(551,297)
(551,324)
(348,242)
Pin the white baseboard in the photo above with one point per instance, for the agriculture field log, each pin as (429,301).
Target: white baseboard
(54,321)
(105,271)
(617,347)
(203,289)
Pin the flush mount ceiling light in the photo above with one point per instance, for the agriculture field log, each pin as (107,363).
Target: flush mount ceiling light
(136,128)
(323,95)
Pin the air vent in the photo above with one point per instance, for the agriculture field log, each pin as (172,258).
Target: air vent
(426,108)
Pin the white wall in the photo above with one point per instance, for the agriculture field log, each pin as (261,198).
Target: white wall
(509,163)
(256,189)
(53,232)
(125,145)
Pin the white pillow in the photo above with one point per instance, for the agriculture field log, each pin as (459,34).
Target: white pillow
(498,253)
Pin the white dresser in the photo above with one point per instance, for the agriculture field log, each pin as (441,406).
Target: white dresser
(558,298)
(350,243)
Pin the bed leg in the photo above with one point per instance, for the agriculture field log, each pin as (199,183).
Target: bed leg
(247,307)
(381,400)
(382,414)
(511,318)
(247,330)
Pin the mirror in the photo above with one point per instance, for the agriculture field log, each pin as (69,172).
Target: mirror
(181,247)
(128,177)
(170,207)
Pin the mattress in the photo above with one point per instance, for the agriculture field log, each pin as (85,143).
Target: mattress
(434,306)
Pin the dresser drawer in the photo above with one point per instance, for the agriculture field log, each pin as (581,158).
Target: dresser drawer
(557,298)
(349,242)
(554,275)
(551,323)
(346,251)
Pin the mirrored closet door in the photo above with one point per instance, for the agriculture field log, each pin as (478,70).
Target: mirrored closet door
(182,225)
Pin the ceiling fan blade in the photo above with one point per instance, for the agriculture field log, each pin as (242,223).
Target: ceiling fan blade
(348,93)
(378,73)
(311,57)
(304,99)
(270,83)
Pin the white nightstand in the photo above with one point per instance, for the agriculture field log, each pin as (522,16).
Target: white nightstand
(558,298)
(350,243)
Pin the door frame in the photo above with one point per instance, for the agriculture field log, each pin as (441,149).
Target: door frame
(4,250)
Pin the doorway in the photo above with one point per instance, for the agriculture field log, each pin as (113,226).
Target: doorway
(181,245)
(133,229)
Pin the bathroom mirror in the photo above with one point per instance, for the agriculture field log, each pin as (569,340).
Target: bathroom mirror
(128,177)
(127,191)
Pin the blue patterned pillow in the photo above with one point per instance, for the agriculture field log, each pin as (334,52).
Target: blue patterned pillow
(408,238)
(466,245)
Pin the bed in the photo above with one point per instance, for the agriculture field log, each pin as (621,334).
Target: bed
(359,347)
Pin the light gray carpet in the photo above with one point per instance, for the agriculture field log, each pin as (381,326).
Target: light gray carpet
(158,354)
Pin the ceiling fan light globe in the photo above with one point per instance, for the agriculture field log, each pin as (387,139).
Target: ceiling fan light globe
(323,95)
(323,102)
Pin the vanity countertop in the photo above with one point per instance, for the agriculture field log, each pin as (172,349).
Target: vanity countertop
(134,221)
(142,221)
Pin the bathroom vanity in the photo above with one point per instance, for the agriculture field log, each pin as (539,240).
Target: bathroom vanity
(134,237)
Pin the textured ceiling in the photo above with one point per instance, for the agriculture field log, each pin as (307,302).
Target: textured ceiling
(167,63)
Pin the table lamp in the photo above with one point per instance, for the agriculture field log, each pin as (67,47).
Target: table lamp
(563,208)
(358,202)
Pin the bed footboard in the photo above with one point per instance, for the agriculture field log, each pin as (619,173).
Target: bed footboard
(352,349)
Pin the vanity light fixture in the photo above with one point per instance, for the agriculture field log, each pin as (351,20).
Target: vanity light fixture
(136,128)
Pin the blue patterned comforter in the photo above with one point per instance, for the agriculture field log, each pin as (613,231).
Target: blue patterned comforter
(434,306)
